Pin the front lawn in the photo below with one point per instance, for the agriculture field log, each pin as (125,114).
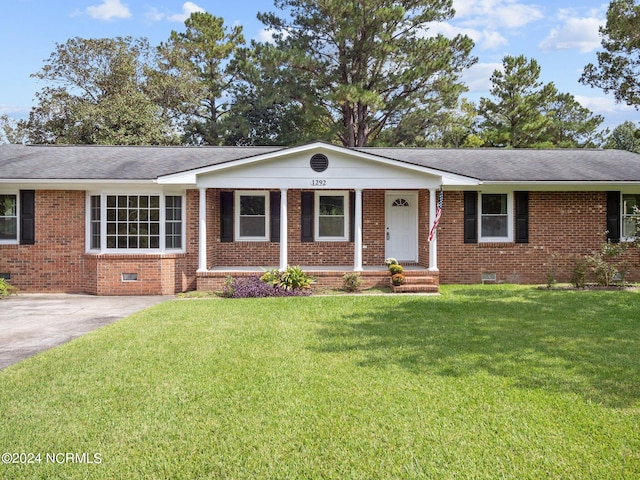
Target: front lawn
(480,382)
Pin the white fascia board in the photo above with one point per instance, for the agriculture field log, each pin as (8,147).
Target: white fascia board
(71,184)
(572,186)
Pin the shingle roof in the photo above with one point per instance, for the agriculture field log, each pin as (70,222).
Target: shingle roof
(518,165)
(42,162)
(94,162)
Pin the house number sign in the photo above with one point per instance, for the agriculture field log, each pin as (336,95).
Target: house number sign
(318,183)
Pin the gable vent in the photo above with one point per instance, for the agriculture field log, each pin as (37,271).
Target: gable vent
(319,162)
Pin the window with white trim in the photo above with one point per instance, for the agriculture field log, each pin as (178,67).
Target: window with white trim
(135,223)
(332,220)
(496,217)
(629,215)
(252,208)
(8,218)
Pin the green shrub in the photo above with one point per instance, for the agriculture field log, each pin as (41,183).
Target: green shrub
(579,272)
(395,268)
(227,290)
(272,277)
(602,269)
(604,264)
(351,282)
(6,288)
(294,278)
(397,279)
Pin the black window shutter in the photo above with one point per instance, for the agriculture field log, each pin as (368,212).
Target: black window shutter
(613,217)
(522,217)
(352,216)
(306,211)
(470,217)
(274,206)
(27,217)
(226,216)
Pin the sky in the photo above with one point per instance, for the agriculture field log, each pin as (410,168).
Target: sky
(561,35)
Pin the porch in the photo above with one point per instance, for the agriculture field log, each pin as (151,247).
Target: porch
(418,278)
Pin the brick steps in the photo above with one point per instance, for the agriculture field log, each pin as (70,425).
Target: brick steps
(416,282)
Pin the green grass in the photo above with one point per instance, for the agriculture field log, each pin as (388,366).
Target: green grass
(480,382)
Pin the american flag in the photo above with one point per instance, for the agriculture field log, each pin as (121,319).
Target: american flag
(437,219)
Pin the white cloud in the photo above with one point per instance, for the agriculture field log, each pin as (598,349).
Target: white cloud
(153,15)
(603,105)
(484,39)
(478,77)
(574,34)
(14,111)
(187,9)
(494,14)
(109,9)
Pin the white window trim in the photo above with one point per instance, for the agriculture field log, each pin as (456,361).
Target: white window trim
(132,251)
(17,239)
(510,219)
(623,216)
(316,215)
(236,214)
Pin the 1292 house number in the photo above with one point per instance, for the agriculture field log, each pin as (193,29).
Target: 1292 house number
(318,183)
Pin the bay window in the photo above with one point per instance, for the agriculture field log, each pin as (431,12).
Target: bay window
(135,223)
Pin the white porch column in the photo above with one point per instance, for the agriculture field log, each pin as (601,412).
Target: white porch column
(202,237)
(357,237)
(284,230)
(433,245)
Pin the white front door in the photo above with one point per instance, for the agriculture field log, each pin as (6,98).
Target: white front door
(401,226)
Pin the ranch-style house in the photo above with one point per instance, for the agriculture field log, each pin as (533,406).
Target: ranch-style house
(118,220)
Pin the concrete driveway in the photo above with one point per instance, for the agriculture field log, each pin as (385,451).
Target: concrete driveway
(32,323)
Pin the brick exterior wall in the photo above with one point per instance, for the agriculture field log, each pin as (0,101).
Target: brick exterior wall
(562,225)
(57,262)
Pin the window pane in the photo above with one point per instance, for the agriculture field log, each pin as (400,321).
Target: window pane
(629,202)
(252,227)
(629,215)
(494,204)
(95,222)
(8,228)
(252,205)
(331,205)
(628,228)
(7,205)
(331,227)
(494,226)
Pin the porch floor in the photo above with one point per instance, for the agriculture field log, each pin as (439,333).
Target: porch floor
(311,268)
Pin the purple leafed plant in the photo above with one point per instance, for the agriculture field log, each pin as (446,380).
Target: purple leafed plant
(252,287)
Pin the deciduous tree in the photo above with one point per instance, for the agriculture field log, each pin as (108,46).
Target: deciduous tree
(96,94)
